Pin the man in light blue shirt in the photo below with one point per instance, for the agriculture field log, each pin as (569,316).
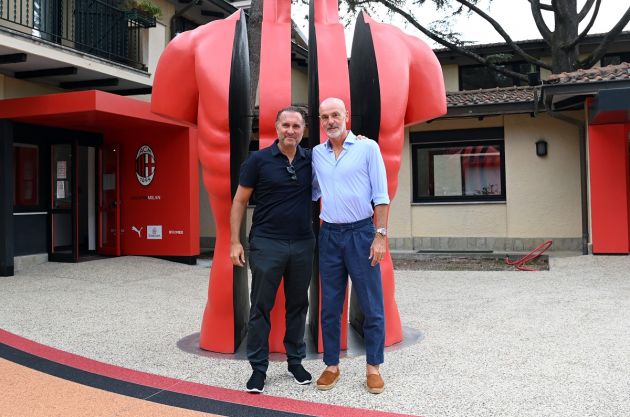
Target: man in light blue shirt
(351,179)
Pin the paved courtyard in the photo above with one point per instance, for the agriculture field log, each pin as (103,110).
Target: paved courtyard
(553,343)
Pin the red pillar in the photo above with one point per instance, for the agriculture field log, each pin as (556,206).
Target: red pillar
(610,188)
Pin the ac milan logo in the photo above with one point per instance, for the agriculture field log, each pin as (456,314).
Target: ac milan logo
(145,165)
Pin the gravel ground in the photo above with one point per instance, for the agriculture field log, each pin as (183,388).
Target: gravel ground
(492,343)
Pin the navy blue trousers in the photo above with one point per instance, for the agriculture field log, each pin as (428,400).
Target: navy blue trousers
(345,248)
(271,260)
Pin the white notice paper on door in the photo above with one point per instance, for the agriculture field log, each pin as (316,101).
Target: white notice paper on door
(61,189)
(61,170)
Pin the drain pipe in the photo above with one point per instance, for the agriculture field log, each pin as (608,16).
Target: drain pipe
(581,125)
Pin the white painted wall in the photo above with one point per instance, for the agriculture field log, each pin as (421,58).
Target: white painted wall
(451,77)
(14,88)
(299,86)
(399,221)
(155,40)
(543,194)
(460,220)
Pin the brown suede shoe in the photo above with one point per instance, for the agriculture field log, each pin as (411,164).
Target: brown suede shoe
(328,380)
(375,384)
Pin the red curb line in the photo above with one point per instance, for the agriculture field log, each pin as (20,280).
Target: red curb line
(186,387)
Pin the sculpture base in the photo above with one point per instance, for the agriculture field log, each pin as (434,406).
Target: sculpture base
(190,344)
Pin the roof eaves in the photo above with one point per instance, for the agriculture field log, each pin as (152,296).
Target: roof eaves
(495,109)
(583,88)
(625,35)
(225,5)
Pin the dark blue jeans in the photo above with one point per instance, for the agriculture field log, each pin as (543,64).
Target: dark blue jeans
(345,248)
(271,260)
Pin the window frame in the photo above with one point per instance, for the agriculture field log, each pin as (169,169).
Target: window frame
(512,65)
(457,138)
(610,55)
(37,179)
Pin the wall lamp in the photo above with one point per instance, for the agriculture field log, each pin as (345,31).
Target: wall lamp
(541,147)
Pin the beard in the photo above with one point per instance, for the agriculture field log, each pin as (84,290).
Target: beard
(335,133)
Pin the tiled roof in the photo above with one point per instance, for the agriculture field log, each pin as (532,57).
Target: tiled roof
(506,95)
(610,73)
(590,42)
(595,37)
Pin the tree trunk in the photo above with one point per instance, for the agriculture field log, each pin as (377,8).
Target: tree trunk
(565,59)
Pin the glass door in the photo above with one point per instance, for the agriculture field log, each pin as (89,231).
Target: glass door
(63,208)
(109,201)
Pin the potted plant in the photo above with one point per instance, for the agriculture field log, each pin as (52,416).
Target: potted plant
(144,11)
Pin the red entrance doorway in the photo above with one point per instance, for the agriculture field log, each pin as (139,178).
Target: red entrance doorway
(120,180)
(72,202)
(63,247)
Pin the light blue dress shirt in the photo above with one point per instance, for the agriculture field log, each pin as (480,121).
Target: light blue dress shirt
(348,185)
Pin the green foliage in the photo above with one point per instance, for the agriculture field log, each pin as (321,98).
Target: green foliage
(145,6)
(499,58)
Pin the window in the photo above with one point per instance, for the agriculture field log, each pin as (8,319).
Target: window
(615,58)
(474,77)
(180,24)
(26,174)
(470,166)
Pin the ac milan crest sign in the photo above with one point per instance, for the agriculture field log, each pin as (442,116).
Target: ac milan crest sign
(145,165)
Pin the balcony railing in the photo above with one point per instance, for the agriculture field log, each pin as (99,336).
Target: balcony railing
(95,27)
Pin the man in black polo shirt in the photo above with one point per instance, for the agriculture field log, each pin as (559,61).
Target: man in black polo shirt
(281,243)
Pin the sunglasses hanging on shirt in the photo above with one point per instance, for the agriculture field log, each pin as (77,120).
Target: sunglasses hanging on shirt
(291,171)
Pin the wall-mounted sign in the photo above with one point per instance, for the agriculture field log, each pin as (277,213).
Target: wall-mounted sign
(154,232)
(146,197)
(145,165)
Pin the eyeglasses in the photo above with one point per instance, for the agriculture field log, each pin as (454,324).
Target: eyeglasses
(291,172)
(333,116)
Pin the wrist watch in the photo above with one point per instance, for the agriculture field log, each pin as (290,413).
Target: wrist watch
(381,231)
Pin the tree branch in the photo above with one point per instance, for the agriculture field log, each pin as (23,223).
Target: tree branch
(585,9)
(441,41)
(599,52)
(540,22)
(586,29)
(504,34)
(544,6)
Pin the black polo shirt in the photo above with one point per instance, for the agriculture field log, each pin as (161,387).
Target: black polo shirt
(283,205)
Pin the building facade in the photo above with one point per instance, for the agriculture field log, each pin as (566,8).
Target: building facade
(510,165)
(88,170)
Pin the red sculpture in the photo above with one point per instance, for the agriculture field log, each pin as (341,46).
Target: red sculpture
(328,77)
(203,78)
(274,94)
(396,81)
